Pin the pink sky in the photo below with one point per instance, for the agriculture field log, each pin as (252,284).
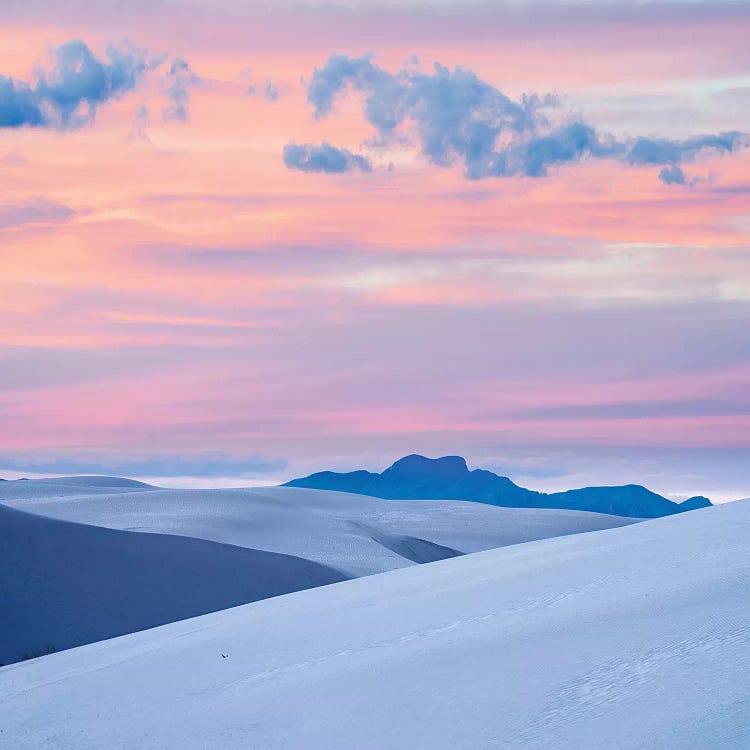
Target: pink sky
(177,303)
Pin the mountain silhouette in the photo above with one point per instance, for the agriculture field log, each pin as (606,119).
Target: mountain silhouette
(693,503)
(416,477)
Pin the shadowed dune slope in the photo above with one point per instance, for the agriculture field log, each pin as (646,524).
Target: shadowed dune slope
(65,584)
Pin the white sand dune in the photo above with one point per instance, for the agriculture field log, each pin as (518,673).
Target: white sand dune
(56,487)
(626,639)
(356,534)
(64,584)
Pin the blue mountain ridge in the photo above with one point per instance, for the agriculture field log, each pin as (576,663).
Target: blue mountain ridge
(416,477)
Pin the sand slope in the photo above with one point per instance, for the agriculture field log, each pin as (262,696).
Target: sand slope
(353,533)
(630,638)
(64,584)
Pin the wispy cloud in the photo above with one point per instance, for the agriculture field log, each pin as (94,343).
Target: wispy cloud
(267,88)
(160,465)
(308,157)
(34,211)
(141,121)
(179,80)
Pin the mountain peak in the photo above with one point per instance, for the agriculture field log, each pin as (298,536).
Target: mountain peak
(416,466)
(695,503)
(417,477)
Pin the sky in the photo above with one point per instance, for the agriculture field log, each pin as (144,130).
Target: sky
(242,242)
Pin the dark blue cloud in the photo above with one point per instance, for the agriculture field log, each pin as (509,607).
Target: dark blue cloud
(534,156)
(341,71)
(458,117)
(308,157)
(80,78)
(68,95)
(673,175)
(19,105)
(664,151)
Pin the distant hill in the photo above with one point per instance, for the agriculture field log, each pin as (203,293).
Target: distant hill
(449,478)
(695,503)
(99,481)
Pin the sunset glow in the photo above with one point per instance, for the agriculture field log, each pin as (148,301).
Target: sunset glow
(182,298)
